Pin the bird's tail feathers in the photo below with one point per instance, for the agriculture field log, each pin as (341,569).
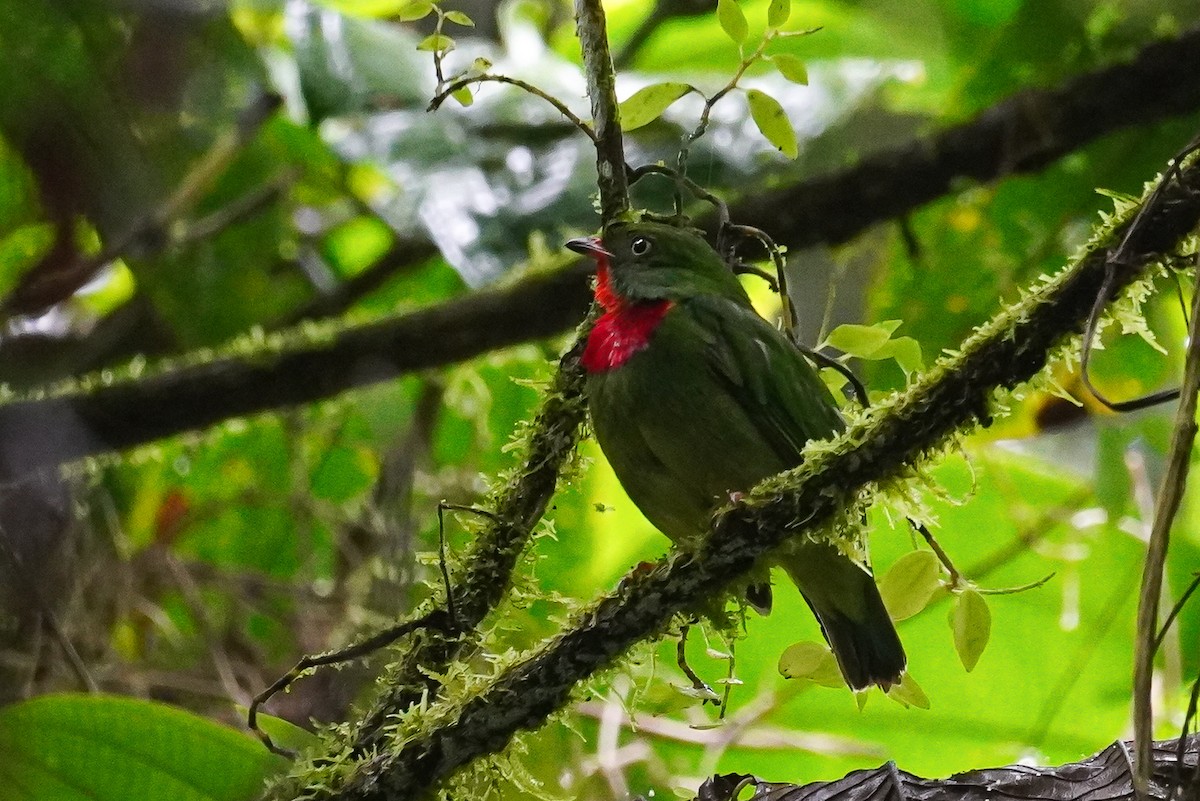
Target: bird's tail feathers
(847,604)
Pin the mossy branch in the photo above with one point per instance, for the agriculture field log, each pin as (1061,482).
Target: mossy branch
(956,395)
(518,506)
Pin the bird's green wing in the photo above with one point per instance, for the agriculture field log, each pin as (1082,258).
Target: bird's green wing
(784,398)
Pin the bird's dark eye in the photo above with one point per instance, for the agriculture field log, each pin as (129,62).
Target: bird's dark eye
(640,246)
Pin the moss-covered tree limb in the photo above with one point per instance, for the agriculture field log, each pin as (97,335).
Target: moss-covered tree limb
(517,507)
(47,431)
(99,416)
(952,397)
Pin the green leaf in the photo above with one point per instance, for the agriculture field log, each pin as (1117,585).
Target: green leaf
(971,621)
(648,103)
(909,693)
(791,67)
(106,748)
(283,732)
(732,20)
(411,12)
(463,96)
(436,43)
(459,18)
(863,341)
(778,12)
(810,661)
(910,583)
(906,351)
(774,124)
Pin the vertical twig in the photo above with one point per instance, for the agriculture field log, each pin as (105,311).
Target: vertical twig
(602,89)
(1169,496)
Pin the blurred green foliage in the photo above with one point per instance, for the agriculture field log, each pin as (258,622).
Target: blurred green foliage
(204,566)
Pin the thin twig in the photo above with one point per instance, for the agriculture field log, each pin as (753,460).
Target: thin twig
(561,107)
(1170,495)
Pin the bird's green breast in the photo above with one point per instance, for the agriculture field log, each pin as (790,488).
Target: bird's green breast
(679,434)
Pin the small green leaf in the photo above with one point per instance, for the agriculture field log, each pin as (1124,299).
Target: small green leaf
(971,622)
(906,351)
(283,732)
(863,341)
(411,12)
(791,67)
(459,18)
(810,661)
(732,20)
(436,43)
(778,12)
(648,103)
(910,583)
(463,96)
(909,693)
(774,124)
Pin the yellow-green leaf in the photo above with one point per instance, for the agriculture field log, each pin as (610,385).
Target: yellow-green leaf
(436,43)
(774,124)
(810,661)
(463,96)
(459,18)
(862,341)
(732,20)
(909,693)
(778,12)
(910,583)
(791,67)
(906,351)
(648,103)
(971,621)
(410,12)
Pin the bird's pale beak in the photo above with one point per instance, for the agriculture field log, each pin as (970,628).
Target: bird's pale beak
(588,246)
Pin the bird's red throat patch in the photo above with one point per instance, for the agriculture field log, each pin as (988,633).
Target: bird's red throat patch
(623,329)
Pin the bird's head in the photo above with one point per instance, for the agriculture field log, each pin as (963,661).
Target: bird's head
(649,261)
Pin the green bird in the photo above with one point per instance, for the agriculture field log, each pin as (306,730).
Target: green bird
(694,396)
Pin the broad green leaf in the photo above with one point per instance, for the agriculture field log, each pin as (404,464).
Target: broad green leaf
(863,341)
(436,43)
(463,96)
(778,12)
(732,20)
(971,621)
(791,67)
(910,583)
(810,661)
(648,103)
(459,18)
(909,693)
(413,11)
(107,748)
(774,124)
(906,351)
(283,732)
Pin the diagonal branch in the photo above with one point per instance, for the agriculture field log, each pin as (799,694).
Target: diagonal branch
(955,395)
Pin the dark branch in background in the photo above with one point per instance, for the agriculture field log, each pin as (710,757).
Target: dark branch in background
(1103,777)
(49,283)
(957,394)
(46,432)
(1023,133)
(1160,83)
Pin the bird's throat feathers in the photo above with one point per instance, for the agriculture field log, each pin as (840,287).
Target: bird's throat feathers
(624,328)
